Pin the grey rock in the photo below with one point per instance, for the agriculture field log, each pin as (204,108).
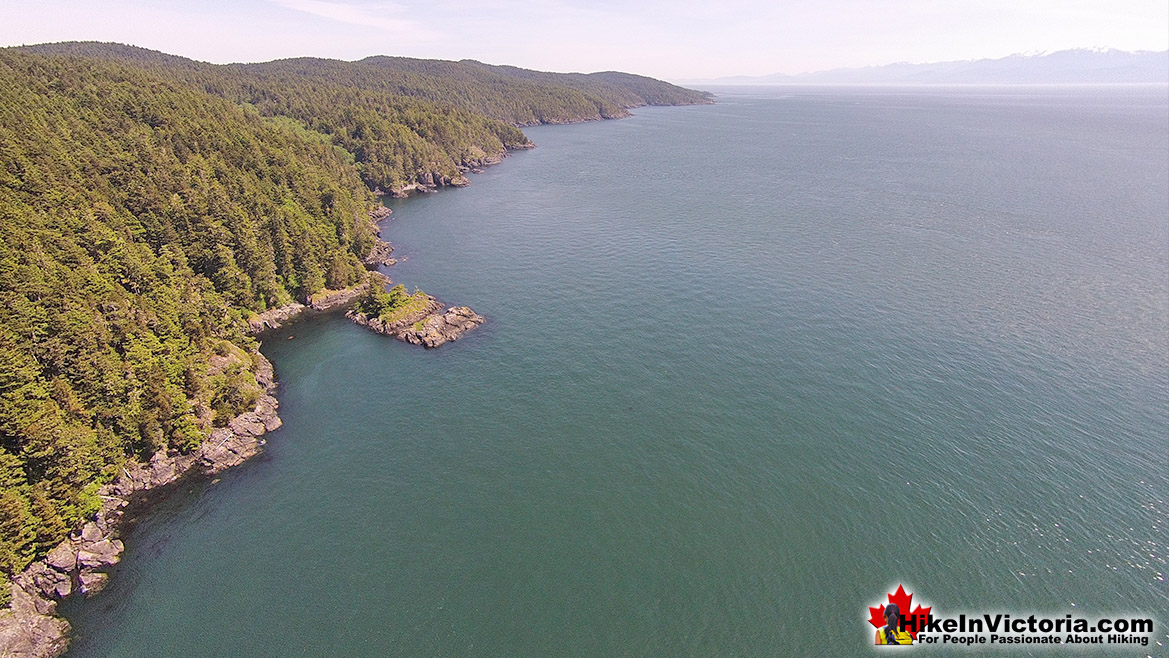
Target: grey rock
(90,532)
(89,559)
(62,558)
(162,469)
(49,583)
(272,422)
(380,254)
(265,374)
(331,299)
(273,317)
(102,553)
(247,424)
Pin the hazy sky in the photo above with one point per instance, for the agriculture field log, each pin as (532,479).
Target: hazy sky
(672,40)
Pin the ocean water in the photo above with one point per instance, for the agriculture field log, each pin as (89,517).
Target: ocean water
(747,368)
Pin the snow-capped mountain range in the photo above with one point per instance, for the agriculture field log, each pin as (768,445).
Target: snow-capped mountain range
(1079,66)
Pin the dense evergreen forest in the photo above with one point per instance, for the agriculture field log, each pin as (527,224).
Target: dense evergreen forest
(405,120)
(149,204)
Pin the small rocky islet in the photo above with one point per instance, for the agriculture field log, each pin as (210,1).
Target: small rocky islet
(418,319)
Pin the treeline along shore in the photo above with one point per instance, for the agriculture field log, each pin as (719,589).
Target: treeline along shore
(157,212)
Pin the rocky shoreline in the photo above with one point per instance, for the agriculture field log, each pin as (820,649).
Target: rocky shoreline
(429,182)
(30,627)
(326,300)
(380,255)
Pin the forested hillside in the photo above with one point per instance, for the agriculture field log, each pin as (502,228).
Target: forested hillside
(404,120)
(149,204)
(141,220)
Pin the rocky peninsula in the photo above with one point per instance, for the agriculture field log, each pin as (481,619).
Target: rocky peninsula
(431,325)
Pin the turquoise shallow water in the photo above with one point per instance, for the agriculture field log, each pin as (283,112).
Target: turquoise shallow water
(747,367)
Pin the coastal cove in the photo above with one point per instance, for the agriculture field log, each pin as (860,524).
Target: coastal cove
(744,362)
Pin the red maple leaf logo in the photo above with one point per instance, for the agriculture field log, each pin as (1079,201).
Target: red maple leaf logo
(902,601)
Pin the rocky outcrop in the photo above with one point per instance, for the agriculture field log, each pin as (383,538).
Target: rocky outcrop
(29,628)
(485,161)
(325,300)
(428,182)
(427,185)
(439,328)
(380,255)
(274,317)
(476,165)
(431,326)
(381,212)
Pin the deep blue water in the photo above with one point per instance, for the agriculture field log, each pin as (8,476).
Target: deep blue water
(747,367)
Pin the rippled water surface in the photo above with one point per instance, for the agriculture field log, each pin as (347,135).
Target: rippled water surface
(747,367)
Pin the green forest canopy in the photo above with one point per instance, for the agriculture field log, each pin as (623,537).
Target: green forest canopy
(150,203)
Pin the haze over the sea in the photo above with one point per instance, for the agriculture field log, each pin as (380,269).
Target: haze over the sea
(1078,66)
